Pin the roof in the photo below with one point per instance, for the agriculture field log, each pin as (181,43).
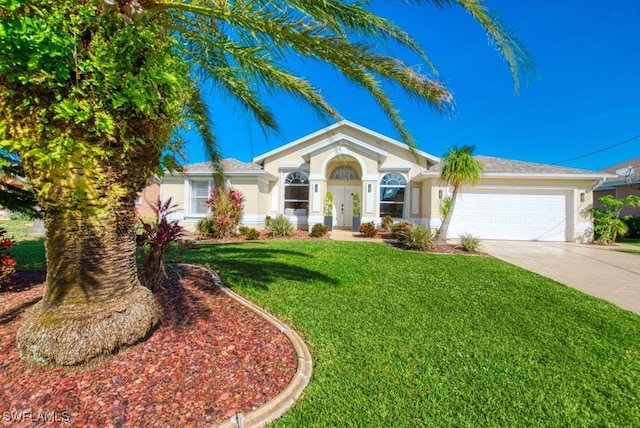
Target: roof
(231,167)
(497,167)
(621,180)
(330,130)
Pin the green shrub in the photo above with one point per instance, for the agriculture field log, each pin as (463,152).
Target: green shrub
(243,230)
(252,234)
(205,227)
(7,262)
(267,221)
(368,230)
(398,229)
(280,227)
(469,243)
(387,222)
(418,237)
(319,230)
(633,226)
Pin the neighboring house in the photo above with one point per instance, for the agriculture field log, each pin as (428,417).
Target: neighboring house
(514,200)
(626,182)
(148,198)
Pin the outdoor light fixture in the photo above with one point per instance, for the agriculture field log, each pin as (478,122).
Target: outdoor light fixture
(582,197)
(369,188)
(315,188)
(439,194)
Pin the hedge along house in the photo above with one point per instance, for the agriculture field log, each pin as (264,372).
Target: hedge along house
(514,200)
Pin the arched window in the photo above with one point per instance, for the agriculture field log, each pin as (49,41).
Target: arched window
(344,173)
(296,194)
(392,191)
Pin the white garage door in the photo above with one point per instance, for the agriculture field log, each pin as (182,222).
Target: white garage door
(511,215)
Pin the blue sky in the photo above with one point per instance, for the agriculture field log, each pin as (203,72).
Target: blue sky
(585,97)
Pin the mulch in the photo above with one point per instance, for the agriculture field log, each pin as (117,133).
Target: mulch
(209,358)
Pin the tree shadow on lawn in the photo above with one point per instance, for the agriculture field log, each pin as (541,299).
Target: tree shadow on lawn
(254,267)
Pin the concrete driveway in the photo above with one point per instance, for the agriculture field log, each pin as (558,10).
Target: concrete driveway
(597,270)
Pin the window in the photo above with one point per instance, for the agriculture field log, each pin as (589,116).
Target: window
(392,187)
(296,194)
(344,173)
(200,192)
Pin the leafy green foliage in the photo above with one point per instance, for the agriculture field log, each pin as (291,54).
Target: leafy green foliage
(406,339)
(607,223)
(418,237)
(445,206)
(279,227)
(252,234)
(368,230)
(328,205)
(242,230)
(319,230)
(356,204)
(398,229)
(469,243)
(155,242)
(633,227)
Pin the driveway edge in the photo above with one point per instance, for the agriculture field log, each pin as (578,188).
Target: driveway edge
(284,401)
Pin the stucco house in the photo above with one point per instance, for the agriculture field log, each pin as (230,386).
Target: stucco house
(514,200)
(625,183)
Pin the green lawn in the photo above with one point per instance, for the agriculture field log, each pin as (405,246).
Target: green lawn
(408,339)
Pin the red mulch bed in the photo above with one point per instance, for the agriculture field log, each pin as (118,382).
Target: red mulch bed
(209,358)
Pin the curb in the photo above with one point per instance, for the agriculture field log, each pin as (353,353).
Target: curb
(284,401)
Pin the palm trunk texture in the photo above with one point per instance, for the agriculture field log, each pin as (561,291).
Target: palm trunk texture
(93,304)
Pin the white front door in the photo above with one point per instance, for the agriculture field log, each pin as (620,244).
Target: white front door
(343,204)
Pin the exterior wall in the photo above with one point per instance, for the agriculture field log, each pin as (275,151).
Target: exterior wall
(147,198)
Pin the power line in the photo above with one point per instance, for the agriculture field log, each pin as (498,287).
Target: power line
(599,151)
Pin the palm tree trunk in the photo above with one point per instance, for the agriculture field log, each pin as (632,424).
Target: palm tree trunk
(444,228)
(93,303)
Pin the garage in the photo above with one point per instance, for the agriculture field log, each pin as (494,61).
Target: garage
(511,214)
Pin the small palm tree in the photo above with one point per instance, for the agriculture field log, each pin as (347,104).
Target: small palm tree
(459,168)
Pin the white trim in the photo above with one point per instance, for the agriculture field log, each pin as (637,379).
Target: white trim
(345,124)
(292,167)
(317,177)
(415,199)
(425,175)
(340,140)
(357,157)
(387,167)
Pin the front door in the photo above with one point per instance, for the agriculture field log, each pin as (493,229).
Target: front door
(343,204)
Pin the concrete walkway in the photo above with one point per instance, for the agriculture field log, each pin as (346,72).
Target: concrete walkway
(597,270)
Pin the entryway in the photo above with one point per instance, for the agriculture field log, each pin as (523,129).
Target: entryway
(343,204)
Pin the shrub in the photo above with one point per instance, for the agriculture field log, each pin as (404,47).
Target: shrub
(252,234)
(368,229)
(7,262)
(227,208)
(469,243)
(633,226)
(280,227)
(418,237)
(243,230)
(155,241)
(398,229)
(319,230)
(267,221)
(445,205)
(387,222)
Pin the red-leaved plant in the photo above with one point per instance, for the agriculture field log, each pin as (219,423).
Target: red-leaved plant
(227,208)
(7,262)
(155,241)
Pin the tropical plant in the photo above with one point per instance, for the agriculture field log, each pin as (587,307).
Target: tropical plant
(607,223)
(7,262)
(469,243)
(368,230)
(242,230)
(387,222)
(458,168)
(252,234)
(319,230)
(155,242)
(418,237)
(633,226)
(226,206)
(398,229)
(280,227)
(92,93)
(356,204)
(328,205)
(445,206)
(15,197)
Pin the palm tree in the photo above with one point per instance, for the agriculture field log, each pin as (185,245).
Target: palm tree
(92,93)
(459,168)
